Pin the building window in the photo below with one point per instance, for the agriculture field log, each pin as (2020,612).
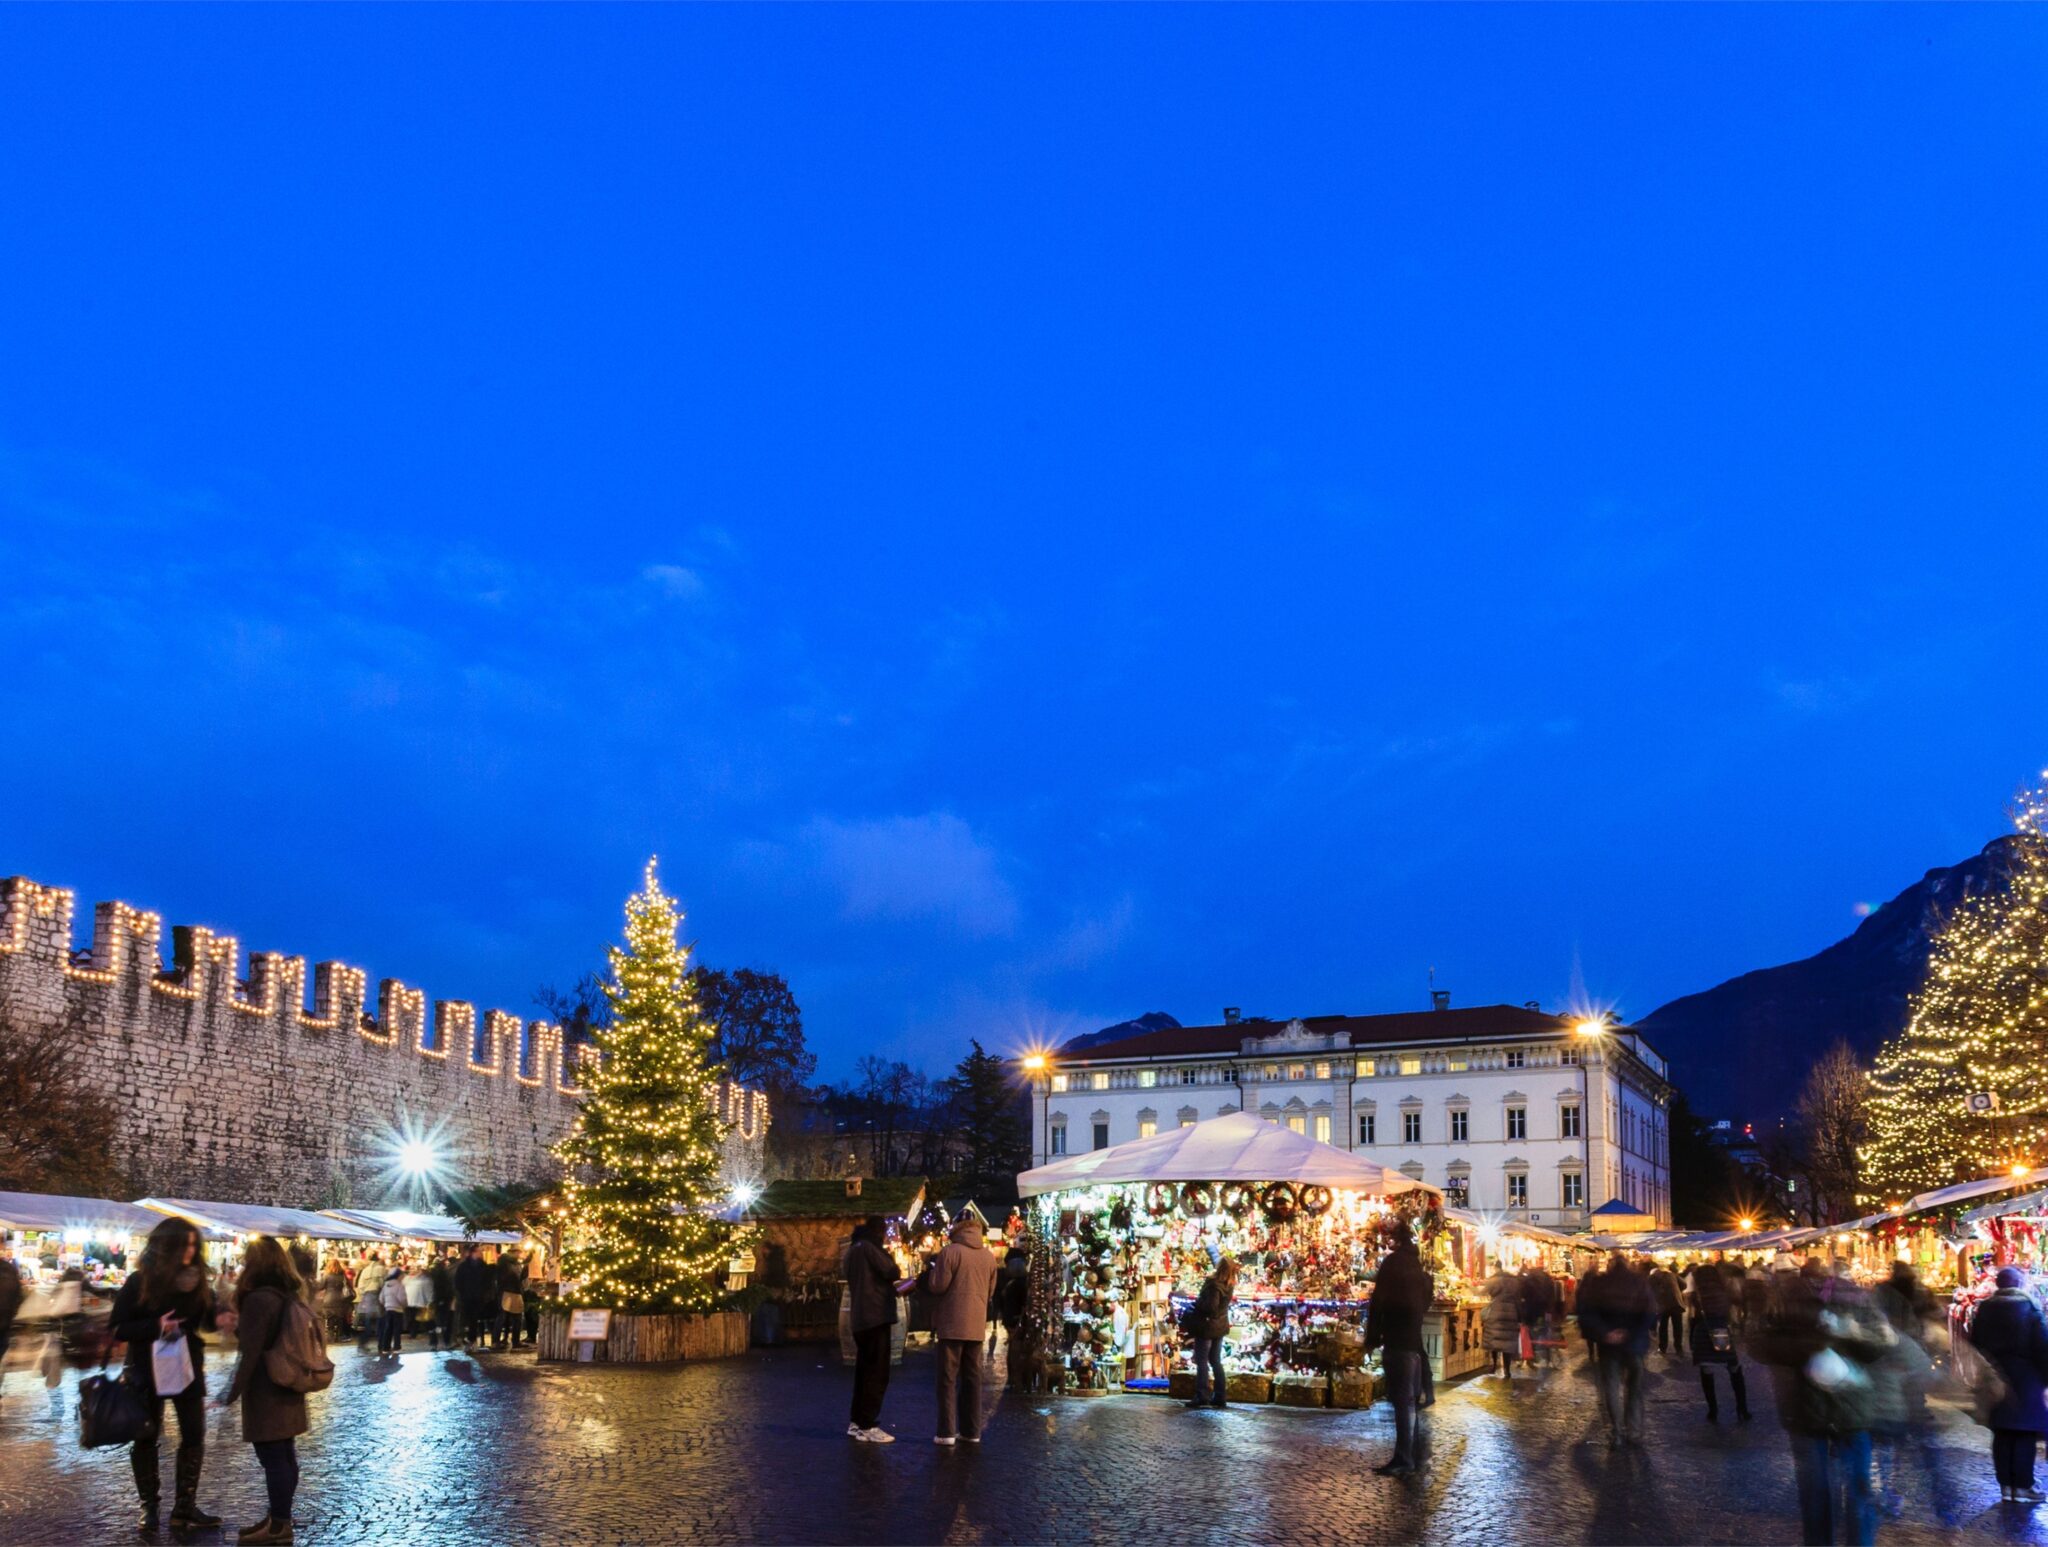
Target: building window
(1460,1126)
(1270,1072)
(1188,1116)
(1323,1069)
(1147,1078)
(1568,1121)
(1296,1123)
(1365,1128)
(1367,1068)
(1517,1057)
(1059,1138)
(1187,1076)
(1147,1127)
(1101,1135)
(1297,1071)
(1459,1063)
(1059,1082)
(1411,1066)
(1518,1189)
(1574,1190)
(1099,1080)
(1518,1122)
(1569,1058)
(1411,1127)
(1322,1127)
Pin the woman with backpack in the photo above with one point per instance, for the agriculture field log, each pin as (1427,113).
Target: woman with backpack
(1207,1323)
(271,1303)
(169,1296)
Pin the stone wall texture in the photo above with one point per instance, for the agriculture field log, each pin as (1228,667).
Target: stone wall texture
(235,1089)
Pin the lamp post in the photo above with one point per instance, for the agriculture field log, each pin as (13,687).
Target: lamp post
(1035,1065)
(1589,1033)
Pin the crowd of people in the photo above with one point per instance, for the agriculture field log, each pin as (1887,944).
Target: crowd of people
(448,1296)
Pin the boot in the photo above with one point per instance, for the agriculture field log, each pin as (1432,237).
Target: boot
(1741,1395)
(269,1529)
(142,1460)
(186,1515)
(1713,1403)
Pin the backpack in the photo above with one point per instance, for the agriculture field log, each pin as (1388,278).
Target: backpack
(297,1356)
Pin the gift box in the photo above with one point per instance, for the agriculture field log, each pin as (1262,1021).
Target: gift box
(1249,1386)
(1301,1390)
(1352,1388)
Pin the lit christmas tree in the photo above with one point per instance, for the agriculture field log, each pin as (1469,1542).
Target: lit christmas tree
(1978,1025)
(644,1156)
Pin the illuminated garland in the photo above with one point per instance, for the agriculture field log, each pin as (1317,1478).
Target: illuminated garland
(645,1155)
(1978,1024)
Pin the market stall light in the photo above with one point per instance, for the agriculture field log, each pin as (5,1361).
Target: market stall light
(745,1194)
(1745,1224)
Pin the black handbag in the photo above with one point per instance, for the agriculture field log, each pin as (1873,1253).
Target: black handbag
(110,1411)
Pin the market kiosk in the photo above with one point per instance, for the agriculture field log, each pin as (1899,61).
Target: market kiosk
(1123,1238)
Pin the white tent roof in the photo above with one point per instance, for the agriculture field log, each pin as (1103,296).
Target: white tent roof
(258,1219)
(56,1211)
(423,1227)
(1237,1148)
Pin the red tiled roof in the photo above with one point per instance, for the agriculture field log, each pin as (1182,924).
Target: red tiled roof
(1481,1023)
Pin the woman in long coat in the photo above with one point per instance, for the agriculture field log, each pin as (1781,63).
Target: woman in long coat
(2009,1332)
(273,1416)
(1503,1321)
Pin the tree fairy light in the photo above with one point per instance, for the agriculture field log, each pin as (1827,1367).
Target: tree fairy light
(1978,1026)
(643,1161)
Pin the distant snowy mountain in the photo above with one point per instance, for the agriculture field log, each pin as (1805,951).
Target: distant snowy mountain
(1157,1020)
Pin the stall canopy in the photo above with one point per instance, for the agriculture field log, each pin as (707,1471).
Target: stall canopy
(1512,1227)
(52,1211)
(258,1219)
(1237,1148)
(422,1227)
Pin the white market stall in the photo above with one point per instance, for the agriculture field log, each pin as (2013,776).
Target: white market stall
(50,1234)
(421,1229)
(236,1222)
(1125,1236)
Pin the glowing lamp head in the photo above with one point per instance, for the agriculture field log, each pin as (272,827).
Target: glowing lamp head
(745,1194)
(1746,1223)
(2019,1168)
(1035,1062)
(416,1157)
(1590,1028)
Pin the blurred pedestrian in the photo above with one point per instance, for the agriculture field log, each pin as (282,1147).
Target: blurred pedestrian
(1013,1304)
(273,1416)
(391,1324)
(511,1299)
(1670,1310)
(2008,1331)
(370,1276)
(307,1269)
(1502,1321)
(1616,1311)
(476,1294)
(1207,1323)
(871,1277)
(10,1304)
(1401,1294)
(334,1298)
(419,1299)
(1541,1300)
(1909,1310)
(441,1334)
(1713,1338)
(960,1279)
(1821,1335)
(170,1297)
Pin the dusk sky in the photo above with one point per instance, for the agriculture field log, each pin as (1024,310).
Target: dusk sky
(1034,514)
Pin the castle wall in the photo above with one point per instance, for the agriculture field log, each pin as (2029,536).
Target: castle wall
(240,1090)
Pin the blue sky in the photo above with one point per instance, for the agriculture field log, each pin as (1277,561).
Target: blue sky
(1035,514)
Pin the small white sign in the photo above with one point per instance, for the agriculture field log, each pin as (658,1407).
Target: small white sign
(743,1263)
(1981,1101)
(590,1326)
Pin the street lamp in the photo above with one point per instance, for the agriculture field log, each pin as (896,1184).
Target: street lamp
(1589,1030)
(417,1158)
(1036,1067)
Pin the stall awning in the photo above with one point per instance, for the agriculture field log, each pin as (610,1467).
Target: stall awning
(2029,1203)
(1514,1227)
(1237,1148)
(423,1227)
(257,1219)
(54,1211)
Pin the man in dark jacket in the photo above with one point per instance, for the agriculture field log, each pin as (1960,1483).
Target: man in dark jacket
(870,1275)
(1541,1301)
(1822,1338)
(475,1291)
(1207,1324)
(1616,1312)
(441,1331)
(1013,1308)
(1401,1293)
(2008,1331)
(1670,1310)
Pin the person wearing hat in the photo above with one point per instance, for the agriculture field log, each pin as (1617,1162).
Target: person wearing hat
(2009,1332)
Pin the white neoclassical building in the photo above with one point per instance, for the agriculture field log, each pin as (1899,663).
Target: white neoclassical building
(1509,1109)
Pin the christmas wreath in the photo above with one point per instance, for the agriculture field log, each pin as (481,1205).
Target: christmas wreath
(1315,1200)
(1237,1198)
(1159,1198)
(1198,1198)
(1280,1200)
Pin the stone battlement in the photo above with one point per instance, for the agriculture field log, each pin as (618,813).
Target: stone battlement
(237,1088)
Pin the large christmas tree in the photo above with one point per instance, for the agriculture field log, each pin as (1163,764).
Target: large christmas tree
(643,1159)
(1978,1026)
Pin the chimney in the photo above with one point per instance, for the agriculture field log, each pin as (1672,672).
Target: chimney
(853,1187)
(1531,1004)
(1232,1015)
(1439,999)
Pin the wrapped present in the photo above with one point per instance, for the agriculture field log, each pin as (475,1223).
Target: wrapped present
(1352,1388)
(1249,1386)
(1301,1390)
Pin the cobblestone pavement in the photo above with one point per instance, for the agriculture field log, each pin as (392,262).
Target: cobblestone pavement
(437,1447)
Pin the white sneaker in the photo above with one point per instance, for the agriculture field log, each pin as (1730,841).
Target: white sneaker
(942,1439)
(855,1432)
(970,1439)
(879,1436)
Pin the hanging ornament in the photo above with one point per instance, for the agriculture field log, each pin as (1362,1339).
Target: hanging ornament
(1316,1200)
(1159,1199)
(1279,1201)
(1198,1198)
(1236,1199)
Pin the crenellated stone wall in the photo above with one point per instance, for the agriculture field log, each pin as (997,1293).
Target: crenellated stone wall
(238,1090)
